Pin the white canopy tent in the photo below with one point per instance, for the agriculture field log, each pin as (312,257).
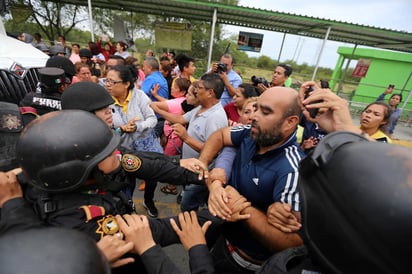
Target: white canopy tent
(15,51)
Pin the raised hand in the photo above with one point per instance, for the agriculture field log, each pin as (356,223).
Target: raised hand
(190,233)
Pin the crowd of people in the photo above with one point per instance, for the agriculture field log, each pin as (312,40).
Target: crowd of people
(252,192)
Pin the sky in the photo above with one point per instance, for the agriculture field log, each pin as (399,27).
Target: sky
(395,15)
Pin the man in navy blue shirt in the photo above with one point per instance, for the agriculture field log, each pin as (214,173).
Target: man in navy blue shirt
(265,171)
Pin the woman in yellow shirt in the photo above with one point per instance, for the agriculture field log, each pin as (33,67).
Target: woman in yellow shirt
(374,119)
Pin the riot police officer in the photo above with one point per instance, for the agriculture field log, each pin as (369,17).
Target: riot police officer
(70,167)
(64,63)
(52,83)
(144,165)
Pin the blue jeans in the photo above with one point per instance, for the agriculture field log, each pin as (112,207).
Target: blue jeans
(193,197)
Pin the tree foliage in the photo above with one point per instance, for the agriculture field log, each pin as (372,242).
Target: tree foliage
(52,18)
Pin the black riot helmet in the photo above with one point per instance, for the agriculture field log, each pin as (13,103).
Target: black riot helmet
(49,251)
(357,205)
(64,63)
(85,53)
(59,150)
(51,79)
(86,96)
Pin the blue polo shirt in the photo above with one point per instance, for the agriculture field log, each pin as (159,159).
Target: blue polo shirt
(262,180)
(151,80)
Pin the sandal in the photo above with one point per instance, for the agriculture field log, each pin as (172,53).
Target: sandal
(169,190)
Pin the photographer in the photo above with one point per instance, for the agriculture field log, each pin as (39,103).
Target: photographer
(230,78)
(280,75)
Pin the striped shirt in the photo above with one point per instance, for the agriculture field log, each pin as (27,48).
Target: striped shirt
(262,179)
(269,177)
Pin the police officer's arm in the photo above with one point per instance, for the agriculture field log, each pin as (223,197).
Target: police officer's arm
(159,167)
(173,118)
(268,235)
(16,212)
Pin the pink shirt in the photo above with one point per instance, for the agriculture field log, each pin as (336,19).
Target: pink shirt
(175,107)
(74,58)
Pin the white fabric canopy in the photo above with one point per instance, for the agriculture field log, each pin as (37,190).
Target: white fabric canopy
(13,50)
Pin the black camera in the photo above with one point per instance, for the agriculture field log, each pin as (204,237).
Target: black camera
(259,80)
(221,67)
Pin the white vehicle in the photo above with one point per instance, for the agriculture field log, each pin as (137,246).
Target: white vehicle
(18,67)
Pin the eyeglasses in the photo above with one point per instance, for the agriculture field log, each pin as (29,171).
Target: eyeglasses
(111,82)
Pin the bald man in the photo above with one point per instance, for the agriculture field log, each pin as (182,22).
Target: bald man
(265,171)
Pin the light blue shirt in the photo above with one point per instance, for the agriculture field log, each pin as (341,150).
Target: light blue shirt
(235,80)
(151,80)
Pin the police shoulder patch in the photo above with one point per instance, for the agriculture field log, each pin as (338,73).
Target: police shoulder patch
(131,163)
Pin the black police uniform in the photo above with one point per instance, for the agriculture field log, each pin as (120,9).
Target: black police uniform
(18,215)
(92,212)
(57,187)
(50,98)
(157,167)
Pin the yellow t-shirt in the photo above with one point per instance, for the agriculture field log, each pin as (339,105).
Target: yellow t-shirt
(381,137)
(125,103)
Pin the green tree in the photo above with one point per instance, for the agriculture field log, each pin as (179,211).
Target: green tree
(52,18)
(264,62)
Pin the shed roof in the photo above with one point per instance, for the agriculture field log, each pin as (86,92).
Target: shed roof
(263,19)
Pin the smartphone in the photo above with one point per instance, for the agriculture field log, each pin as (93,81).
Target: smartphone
(314,111)
(324,84)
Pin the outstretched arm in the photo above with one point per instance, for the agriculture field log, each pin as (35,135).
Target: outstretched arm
(216,141)
(173,118)
(156,166)
(267,234)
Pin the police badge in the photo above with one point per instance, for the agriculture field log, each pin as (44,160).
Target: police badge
(107,226)
(131,162)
